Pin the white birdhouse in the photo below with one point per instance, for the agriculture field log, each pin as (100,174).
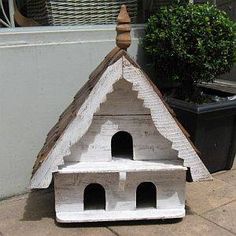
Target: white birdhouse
(117,152)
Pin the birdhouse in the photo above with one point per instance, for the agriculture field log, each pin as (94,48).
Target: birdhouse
(117,151)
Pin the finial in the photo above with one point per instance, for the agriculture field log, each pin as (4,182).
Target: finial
(123,38)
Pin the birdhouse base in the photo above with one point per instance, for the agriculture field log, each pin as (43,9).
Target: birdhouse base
(120,190)
(102,215)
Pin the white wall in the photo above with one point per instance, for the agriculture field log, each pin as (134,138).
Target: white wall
(41,69)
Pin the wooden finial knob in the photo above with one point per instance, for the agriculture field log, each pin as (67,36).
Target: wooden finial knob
(123,38)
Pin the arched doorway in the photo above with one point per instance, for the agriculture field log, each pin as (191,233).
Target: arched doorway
(94,197)
(122,145)
(146,195)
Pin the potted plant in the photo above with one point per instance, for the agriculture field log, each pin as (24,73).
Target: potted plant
(188,45)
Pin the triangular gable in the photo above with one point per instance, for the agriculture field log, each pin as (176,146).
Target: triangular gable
(78,117)
(122,111)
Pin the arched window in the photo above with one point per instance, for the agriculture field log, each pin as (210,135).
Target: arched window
(146,195)
(122,145)
(94,197)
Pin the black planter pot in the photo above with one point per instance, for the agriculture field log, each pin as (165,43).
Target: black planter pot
(212,128)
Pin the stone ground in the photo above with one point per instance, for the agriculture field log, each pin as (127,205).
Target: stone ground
(211,210)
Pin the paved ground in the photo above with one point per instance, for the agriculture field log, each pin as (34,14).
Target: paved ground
(211,210)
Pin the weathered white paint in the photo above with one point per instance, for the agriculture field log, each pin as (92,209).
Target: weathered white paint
(148,143)
(122,111)
(121,165)
(101,215)
(123,101)
(163,120)
(41,69)
(121,204)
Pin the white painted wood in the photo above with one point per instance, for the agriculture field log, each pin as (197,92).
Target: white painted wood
(122,111)
(162,119)
(170,192)
(122,101)
(120,165)
(122,180)
(101,215)
(148,143)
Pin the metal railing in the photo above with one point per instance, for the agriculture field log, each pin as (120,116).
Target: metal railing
(7,13)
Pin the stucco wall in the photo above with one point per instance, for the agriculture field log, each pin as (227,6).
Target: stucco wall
(41,69)
(230,8)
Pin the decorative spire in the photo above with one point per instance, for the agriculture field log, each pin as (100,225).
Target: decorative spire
(123,28)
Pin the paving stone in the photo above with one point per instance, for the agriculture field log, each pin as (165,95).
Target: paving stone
(224,216)
(227,176)
(191,225)
(33,215)
(205,196)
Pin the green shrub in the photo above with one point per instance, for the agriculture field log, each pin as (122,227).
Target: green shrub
(191,43)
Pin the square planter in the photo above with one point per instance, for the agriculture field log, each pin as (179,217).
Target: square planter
(212,128)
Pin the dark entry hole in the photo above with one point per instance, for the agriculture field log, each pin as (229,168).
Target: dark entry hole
(146,195)
(94,197)
(122,145)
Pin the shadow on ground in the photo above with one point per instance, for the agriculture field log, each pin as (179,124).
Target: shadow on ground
(39,204)
(118,223)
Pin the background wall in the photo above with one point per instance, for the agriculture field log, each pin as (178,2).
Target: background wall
(230,7)
(41,69)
